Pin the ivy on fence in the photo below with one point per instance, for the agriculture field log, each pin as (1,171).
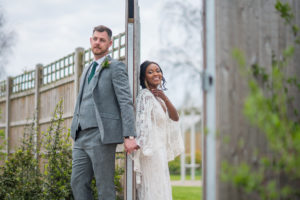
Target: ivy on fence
(270,106)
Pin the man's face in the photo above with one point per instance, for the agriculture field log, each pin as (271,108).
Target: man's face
(100,43)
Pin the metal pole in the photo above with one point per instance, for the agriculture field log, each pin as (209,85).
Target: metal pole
(210,102)
(204,111)
(130,58)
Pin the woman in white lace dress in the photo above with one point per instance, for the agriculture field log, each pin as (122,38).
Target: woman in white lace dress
(159,137)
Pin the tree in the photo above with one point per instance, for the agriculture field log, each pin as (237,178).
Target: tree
(181,49)
(6,41)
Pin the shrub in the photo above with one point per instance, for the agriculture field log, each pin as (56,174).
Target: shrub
(58,156)
(174,166)
(20,177)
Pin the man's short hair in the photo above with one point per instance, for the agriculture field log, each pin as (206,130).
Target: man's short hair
(102,28)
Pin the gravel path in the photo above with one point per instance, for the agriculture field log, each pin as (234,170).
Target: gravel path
(186,183)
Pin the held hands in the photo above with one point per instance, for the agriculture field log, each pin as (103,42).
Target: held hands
(130,145)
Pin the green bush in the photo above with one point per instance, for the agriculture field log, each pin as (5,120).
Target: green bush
(21,177)
(2,144)
(58,156)
(174,166)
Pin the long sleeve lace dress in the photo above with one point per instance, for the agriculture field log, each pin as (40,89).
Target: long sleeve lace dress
(160,141)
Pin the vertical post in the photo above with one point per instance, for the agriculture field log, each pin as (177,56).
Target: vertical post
(182,156)
(132,60)
(203,139)
(119,45)
(129,58)
(38,78)
(7,111)
(137,47)
(209,92)
(113,48)
(78,67)
(193,139)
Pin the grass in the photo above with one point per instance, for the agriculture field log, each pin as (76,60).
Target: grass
(186,193)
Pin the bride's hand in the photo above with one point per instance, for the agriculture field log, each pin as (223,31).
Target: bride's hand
(173,114)
(160,94)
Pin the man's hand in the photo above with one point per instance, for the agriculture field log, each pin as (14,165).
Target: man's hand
(130,145)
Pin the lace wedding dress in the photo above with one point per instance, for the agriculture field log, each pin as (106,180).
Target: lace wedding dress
(160,141)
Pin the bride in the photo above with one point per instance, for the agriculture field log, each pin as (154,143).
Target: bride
(158,135)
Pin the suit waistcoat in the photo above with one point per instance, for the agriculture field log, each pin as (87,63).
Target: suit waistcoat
(87,113)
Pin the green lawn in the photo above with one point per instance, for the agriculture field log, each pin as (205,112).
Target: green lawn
(186,193)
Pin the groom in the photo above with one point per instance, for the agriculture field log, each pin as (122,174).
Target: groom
(103,118)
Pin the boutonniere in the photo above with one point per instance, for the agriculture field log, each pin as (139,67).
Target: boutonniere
(105,63)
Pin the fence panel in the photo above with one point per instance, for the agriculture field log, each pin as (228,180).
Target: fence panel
(256,29)
(24,103)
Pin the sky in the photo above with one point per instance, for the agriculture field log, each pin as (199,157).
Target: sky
(46,30)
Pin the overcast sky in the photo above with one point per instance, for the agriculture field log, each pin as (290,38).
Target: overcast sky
(46,30)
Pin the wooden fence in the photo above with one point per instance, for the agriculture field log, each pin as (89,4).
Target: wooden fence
(258,31)
(32,96)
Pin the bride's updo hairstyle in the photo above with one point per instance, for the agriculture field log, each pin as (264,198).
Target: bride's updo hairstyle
(143,68)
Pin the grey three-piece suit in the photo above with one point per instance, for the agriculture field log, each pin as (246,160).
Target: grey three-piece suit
(103,117)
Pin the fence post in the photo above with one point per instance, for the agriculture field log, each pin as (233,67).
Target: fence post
(7,112)
(193,148)
(38,82)
(132,60)
(182,156)
(78,67)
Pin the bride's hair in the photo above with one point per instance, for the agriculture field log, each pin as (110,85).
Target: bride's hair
(143,68)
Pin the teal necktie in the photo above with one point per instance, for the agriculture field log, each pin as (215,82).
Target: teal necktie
(92,71)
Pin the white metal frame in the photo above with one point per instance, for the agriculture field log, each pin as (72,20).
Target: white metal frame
(133,59)
(210,102)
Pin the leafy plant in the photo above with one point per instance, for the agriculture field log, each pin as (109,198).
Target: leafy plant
(20,177)
(58,155)
(270,106)
(174,165)
(2,145)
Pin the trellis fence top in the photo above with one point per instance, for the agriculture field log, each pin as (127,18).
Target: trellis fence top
(61,68)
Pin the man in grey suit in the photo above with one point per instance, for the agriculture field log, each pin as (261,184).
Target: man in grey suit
(103,118)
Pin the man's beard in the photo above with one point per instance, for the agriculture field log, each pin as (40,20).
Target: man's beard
(99,52)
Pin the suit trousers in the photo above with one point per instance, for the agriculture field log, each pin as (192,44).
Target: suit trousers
(92,158)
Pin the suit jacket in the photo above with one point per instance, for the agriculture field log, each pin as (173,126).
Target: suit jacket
(112,100)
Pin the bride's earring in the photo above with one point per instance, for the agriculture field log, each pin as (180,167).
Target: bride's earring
(146,84)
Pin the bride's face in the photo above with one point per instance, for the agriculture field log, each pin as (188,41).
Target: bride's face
(153,76)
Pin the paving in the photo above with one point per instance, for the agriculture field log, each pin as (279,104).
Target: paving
(187,183)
